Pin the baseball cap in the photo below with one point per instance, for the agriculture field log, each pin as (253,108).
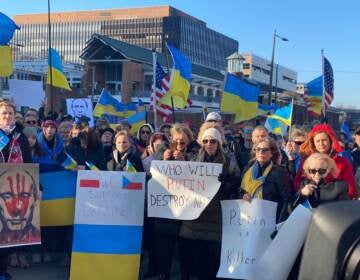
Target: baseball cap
(213,116)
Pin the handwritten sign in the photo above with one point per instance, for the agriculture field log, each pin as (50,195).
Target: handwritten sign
(181,190)
(285,247)
(246,234)
(103,198)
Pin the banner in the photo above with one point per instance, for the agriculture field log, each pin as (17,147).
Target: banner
(246,231)
(80,108)
(181,190)
(19,205)
(109,214)
(26,93)
(285,247)
(59,190)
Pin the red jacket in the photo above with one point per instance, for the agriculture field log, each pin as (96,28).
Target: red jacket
(345,174)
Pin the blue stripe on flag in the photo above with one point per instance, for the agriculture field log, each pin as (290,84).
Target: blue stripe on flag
(58,185)
(107,239)
(245,91)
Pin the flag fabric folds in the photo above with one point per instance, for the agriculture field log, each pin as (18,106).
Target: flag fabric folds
(69,163)
(136,121)
(130,167)
(91,166)
(239,98)
(313,96)
(264,109)
(328,89)
(58,198)
(6,65)
(162,85)
(112,108)
(7,29)
(283,114)
(58,76)
(179,85)
(276,127)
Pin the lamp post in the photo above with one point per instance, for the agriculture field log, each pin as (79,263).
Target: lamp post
(272,61)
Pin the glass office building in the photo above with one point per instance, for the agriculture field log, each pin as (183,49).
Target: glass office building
(147,27)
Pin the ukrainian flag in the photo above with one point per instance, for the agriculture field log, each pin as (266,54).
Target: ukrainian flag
(179,80)
(313,96)
(58,198)
(58,77)
(6,65)
(69,163)
(91,166)
(239,98)
(130,167)
(136,121)
(276,126)
(265,109)
(112,108)
(283,114)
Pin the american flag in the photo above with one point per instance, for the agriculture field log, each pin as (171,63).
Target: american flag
(328,83)
(162,84)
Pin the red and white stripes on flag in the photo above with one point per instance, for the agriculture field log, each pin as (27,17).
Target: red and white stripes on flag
(162,85)
(328,86)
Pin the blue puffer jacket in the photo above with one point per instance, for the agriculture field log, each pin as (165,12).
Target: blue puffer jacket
(49,161)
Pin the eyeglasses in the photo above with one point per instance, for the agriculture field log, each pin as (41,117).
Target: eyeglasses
(145,132)
(321,171)
(299,143)
(261,150)
(211,141)
(31,122)
(179,142)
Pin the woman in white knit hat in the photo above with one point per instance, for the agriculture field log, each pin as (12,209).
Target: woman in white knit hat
(200,243)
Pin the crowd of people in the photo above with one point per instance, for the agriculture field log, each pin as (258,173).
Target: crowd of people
(312,164)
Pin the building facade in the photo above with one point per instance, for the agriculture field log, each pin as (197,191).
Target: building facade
(148,27)
(257,69)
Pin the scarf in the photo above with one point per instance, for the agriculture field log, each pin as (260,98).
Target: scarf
(15,154)
(8,129)
(251,181)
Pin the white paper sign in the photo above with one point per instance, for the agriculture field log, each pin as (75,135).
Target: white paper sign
(246,232)
(181,190)
(79,107)
(26,93)
(285,247)
(110,198)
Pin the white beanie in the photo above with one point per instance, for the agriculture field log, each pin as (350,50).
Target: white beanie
(212,133)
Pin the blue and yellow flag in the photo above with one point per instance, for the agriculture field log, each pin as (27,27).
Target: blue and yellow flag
(69,163)
(179,80)
(113,109)
(130,167)
(58,198)
(276,127)
(266,109)
(314,96)
(136,121)
(92,166)
(239,98)
(58,77)
(283,114)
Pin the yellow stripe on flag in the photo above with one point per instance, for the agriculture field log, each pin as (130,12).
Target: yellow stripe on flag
(57,212)
(6,66)
(104,266)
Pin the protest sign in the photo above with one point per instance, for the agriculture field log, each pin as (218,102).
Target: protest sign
(285,247)
(108,225)
(246,231)
(80,107)
(26,93)
(19,205)
(181,190)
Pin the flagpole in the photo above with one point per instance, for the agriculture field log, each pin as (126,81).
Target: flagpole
(49,58)
(291,116)
(154,89)
(323,86)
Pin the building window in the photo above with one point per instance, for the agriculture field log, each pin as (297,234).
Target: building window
(246,66)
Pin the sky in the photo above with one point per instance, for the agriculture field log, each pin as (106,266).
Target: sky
(309,25)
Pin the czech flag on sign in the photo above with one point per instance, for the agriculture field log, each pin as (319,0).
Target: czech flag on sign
(128,185)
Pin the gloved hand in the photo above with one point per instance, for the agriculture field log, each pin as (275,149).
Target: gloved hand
(223,177)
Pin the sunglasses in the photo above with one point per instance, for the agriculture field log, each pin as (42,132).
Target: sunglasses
(31,122)
(321,171)
(145,132)
(299,143)
(211,141)
(180,142)
(261,150)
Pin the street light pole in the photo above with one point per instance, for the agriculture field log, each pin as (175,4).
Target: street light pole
(272,62)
